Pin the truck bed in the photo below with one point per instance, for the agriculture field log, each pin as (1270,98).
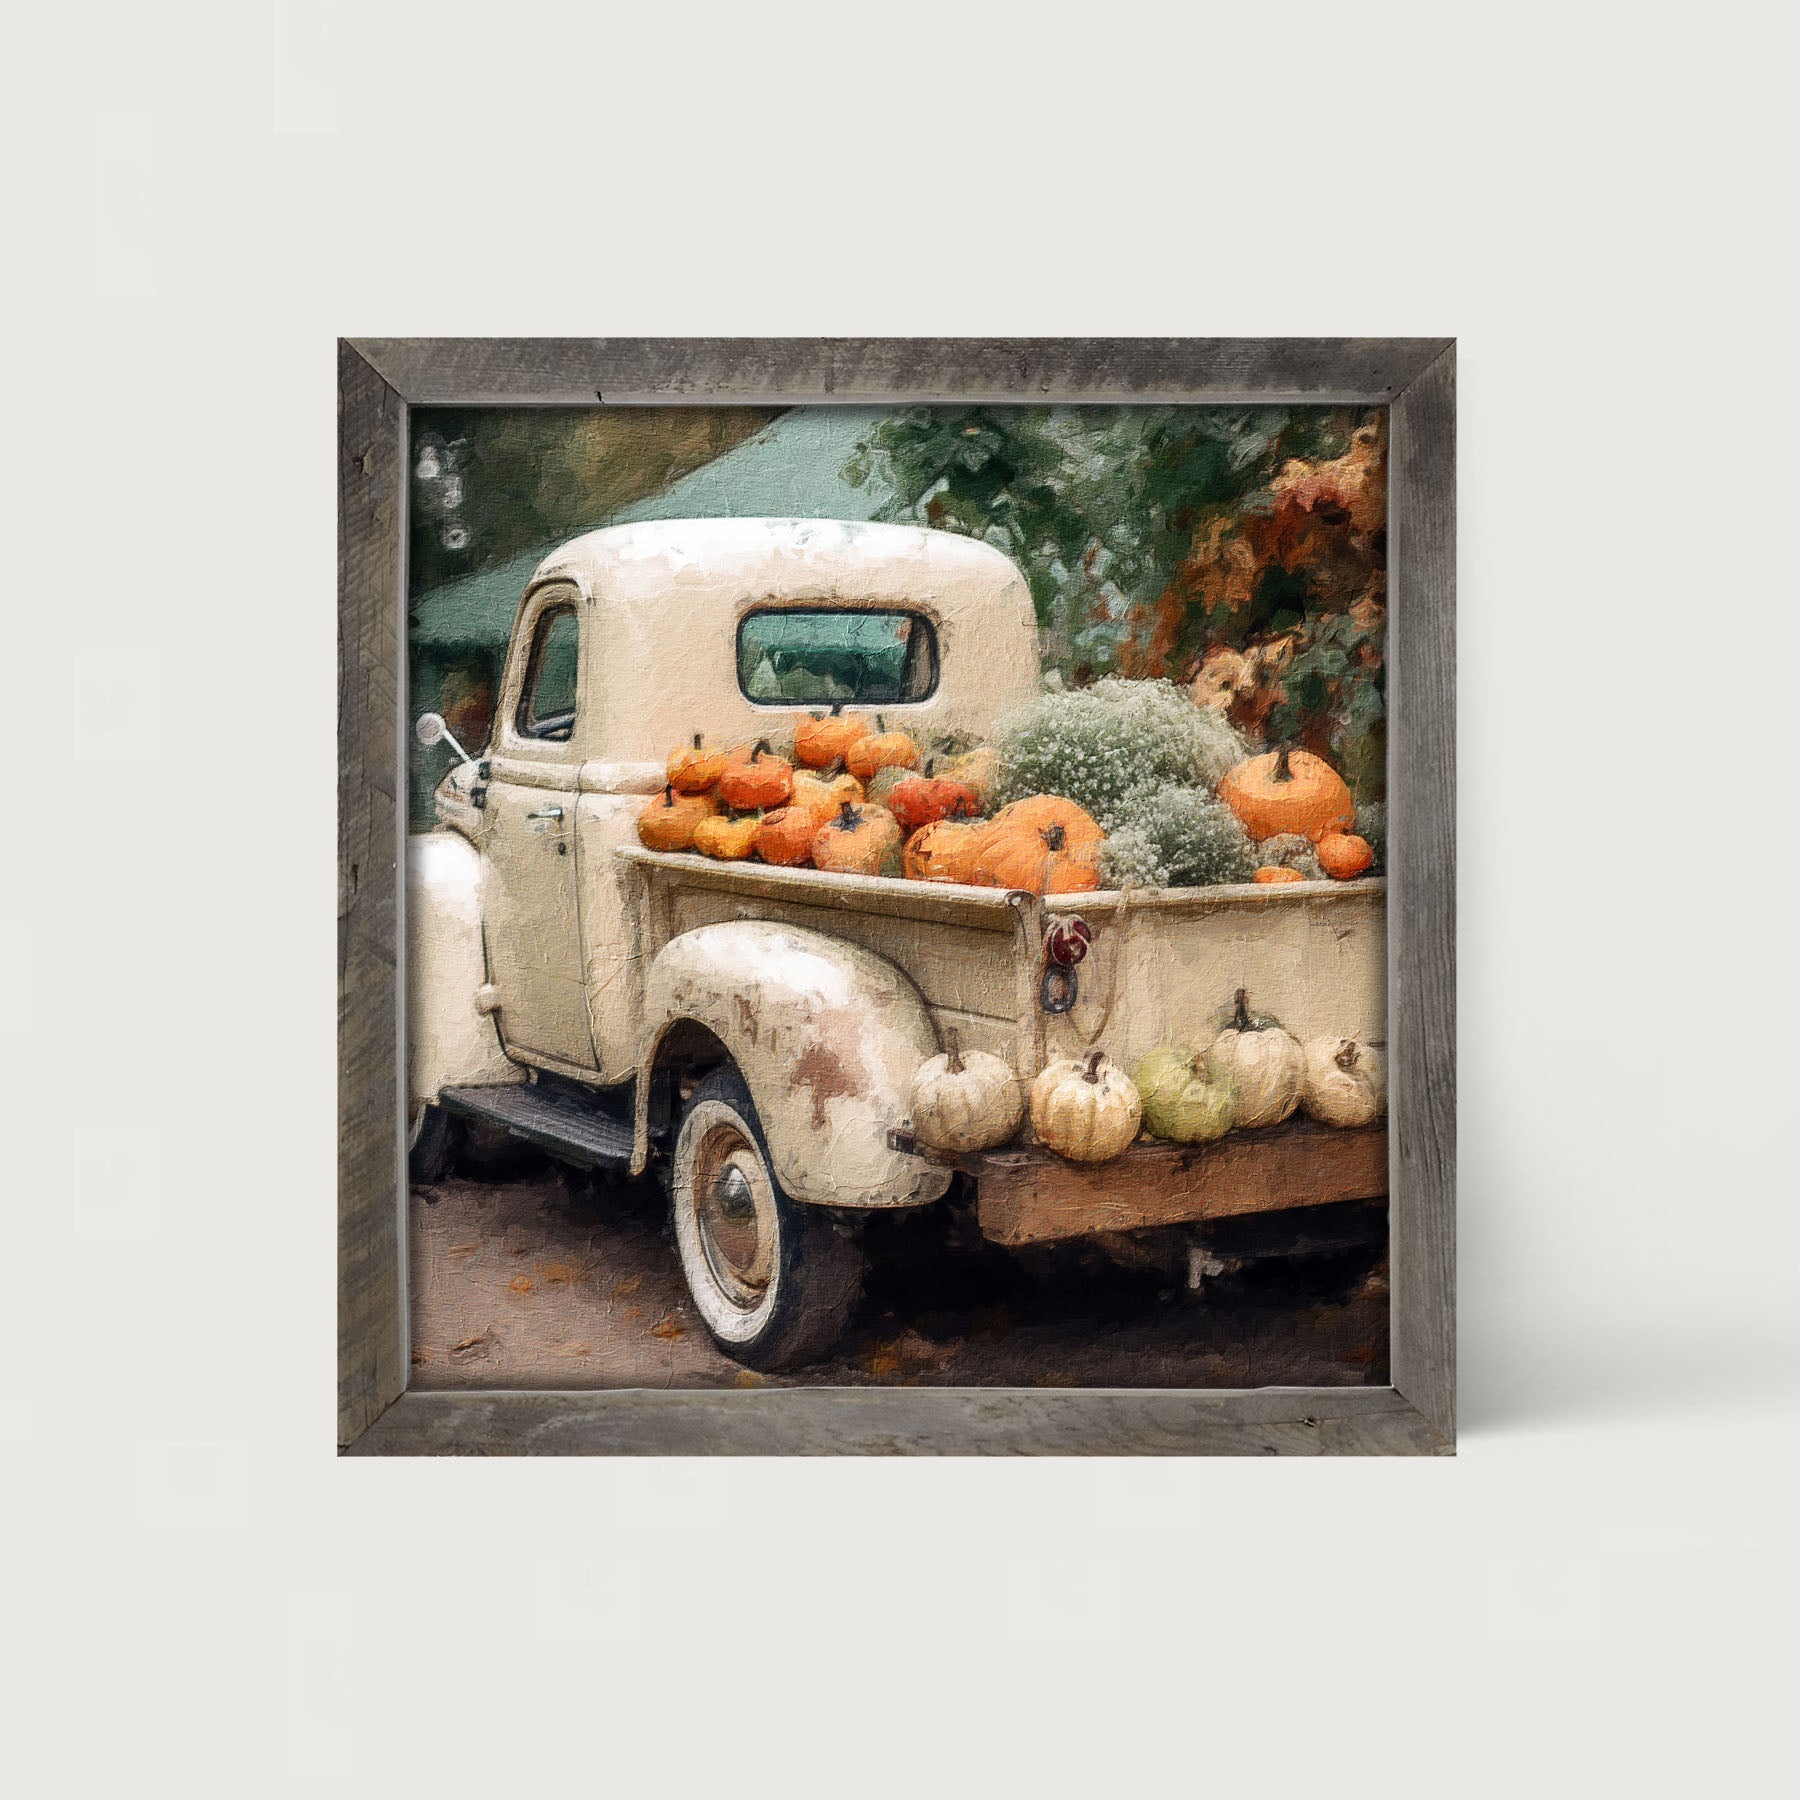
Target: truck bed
(1162,967)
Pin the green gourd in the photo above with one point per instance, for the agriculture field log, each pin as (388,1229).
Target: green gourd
(1185,1100)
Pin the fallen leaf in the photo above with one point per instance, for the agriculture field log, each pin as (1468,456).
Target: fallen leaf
(469,1343)
(746,1378)
(668,1328)
(560,1274)
(630,1285)
(520,1284)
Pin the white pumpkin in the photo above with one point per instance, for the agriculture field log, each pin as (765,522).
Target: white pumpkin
(965,1100)
(1086,1110)
(1346,1082)
(1266,1067)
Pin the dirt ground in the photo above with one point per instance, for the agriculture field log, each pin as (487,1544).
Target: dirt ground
(532,1280)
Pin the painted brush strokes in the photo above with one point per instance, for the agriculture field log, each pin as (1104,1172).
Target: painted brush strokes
(897,896)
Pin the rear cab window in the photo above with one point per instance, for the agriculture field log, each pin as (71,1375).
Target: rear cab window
(817,655)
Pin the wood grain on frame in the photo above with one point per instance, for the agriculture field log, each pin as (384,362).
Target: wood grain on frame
(372,1347)
(1422,889)
(379,378)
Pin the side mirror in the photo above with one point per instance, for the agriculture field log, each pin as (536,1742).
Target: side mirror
(430,729)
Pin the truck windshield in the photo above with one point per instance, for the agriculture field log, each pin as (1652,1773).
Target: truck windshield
(810,655)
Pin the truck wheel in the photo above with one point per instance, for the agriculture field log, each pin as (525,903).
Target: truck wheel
(428,1144)
(773,1280)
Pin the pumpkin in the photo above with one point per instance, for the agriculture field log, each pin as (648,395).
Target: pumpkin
(1346,1082)
(730,840)
(1080,827)
(861,840)
(881,749)
(1344,856)
(1043,845)
(945,851)
(823,793)
(1183,1099)
(1266,1067)
(693,769)
(1275,874)
(1288,790)
(757,780)
(1087,1110)
(917,800)
(670,820)
(963,1102)
(825,738)
(785,837)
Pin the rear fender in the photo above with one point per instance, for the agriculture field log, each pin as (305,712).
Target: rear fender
(828,1037)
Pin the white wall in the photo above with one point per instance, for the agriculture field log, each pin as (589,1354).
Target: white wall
(1597,1591)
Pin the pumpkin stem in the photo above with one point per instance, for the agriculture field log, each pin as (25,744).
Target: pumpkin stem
(762,749)
(668,793)
(848,817)
(1346,1055)
(1092,1071)
(1054,837)
(837,707)
(953,1050)
(1242,1021)
(699,738)
(1281,771)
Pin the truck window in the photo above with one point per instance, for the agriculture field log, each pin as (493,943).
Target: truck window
(818,655)
(547,703)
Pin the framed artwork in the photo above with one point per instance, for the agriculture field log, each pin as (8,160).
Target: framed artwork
(896,896)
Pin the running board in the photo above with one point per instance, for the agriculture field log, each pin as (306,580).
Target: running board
(561,1122)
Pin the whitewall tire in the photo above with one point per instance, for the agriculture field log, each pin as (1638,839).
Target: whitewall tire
(772,1280)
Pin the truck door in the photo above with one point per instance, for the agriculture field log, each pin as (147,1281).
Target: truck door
(532,901)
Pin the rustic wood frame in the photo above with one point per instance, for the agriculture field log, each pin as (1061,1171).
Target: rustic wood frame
(380,379)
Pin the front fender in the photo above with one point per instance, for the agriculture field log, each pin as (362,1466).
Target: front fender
(828,1036)
(449,1041)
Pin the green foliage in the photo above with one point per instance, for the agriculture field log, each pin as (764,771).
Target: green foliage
(1107,746)
(1151,534)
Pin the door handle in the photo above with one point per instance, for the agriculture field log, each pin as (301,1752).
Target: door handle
(546,812)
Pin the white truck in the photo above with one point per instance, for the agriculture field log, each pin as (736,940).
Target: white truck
(750,1033)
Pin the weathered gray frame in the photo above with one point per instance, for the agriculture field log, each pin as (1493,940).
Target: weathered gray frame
(379,379)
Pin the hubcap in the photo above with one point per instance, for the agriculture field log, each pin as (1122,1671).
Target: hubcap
(736,1216)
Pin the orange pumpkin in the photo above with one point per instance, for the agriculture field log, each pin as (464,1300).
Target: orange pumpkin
(822,739)
(760,779)
(1080,828)
(1037,859)
(1274,874)
(823,793)
(730,840)
(1288,790)
(861,840)
(881,750)
(784,838)
(1344,856)
(670,820)
(693,769)
(945,851)
(917,800)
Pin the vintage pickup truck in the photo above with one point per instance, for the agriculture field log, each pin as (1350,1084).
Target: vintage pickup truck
(751,1032)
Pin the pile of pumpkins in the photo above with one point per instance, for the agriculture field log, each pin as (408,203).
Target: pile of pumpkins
(857,799)
(1088,1110)
(1292,793)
